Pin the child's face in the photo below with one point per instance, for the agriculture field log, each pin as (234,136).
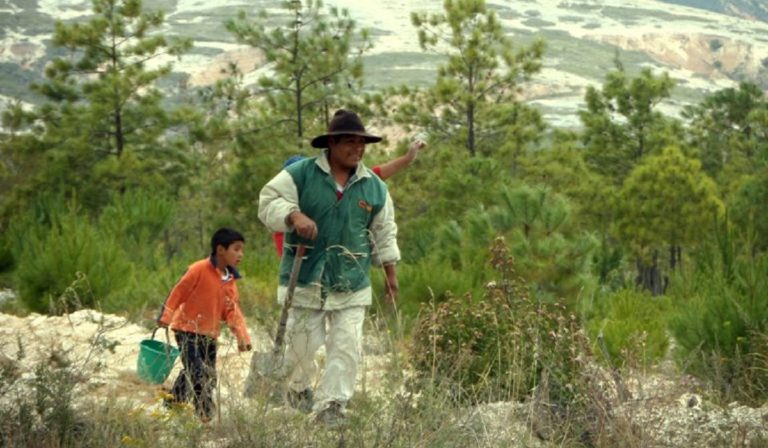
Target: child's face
(232,255)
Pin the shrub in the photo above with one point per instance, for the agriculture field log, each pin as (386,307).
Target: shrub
(41,411)
(633,326)
(68,260)
(510,347)
(140,221)
(431,278)
(506,346)
(553,259)
(721,324)
(6,255)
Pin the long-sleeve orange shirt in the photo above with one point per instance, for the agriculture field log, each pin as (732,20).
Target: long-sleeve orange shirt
(201,300)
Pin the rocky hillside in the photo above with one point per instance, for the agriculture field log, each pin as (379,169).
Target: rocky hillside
(748,9)
(704,45)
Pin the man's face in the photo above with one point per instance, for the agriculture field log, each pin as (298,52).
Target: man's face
(346,151)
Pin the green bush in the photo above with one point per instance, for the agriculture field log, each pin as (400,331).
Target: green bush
(721,324)
(39,409)
(68,264)
(554,260)
(502,346)
(6,255)
(431,278)
(508,346)
(632,325)
(144,291)
(748,208)
(141,220)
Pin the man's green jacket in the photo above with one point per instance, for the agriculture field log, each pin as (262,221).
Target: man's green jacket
(356,229)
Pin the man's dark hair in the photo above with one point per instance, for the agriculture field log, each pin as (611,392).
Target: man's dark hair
(224,237)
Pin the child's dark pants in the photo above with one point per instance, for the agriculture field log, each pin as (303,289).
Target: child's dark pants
(198,357)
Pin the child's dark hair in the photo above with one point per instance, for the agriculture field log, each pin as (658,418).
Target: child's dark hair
(224,237)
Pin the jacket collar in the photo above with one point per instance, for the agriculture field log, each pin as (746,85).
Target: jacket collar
(360,172)
(235,275)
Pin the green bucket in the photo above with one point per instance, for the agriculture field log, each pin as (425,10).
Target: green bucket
(156,359)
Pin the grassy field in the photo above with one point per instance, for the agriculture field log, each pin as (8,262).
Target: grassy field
(392,69)
(583,57)
(635,15)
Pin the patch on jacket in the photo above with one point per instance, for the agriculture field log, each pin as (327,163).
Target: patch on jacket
(365,206)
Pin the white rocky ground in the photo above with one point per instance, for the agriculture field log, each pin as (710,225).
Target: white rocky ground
(105,348)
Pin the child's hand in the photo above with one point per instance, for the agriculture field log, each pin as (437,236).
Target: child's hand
(244,347)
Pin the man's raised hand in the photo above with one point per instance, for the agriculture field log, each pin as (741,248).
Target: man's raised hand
(414,148)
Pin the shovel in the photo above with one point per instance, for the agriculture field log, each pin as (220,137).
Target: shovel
(267,367)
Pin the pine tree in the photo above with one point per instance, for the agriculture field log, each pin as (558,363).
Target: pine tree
(667,202)
(482,71)
(593,199)
(105,125)
(749,209)
(728,129)
(106,76)
(621,123)
(315,66)
(21,154)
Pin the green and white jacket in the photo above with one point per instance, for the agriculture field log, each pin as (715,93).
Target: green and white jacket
(354,232)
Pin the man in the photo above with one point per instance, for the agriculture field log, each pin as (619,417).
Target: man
(384,171)
(344,215)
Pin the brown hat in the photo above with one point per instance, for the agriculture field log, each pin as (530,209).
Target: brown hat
(344,122)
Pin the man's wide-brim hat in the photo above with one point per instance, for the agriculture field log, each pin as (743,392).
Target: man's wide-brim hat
(344,122)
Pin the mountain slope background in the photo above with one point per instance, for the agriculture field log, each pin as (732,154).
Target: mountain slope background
(704,45)
(748,9)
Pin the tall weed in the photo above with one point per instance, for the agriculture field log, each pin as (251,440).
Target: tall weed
(40,407)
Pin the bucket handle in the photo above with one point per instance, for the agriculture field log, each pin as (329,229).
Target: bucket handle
(167,340)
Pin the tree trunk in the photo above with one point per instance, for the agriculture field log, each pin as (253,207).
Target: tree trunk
(119,137)
(118,113)
(471,112)
(640,144)
(649,276)
(299,124)
(471,130)
(672,257)
(675,257)
(297,74)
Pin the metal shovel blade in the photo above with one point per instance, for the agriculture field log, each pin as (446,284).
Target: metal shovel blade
(265,375)
(267,368)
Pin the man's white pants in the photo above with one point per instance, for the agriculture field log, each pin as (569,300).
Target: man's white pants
(306,330)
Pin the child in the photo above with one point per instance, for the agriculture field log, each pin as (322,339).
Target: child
(205,295)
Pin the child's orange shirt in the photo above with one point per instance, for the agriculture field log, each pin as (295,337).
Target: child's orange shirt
(201,300)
